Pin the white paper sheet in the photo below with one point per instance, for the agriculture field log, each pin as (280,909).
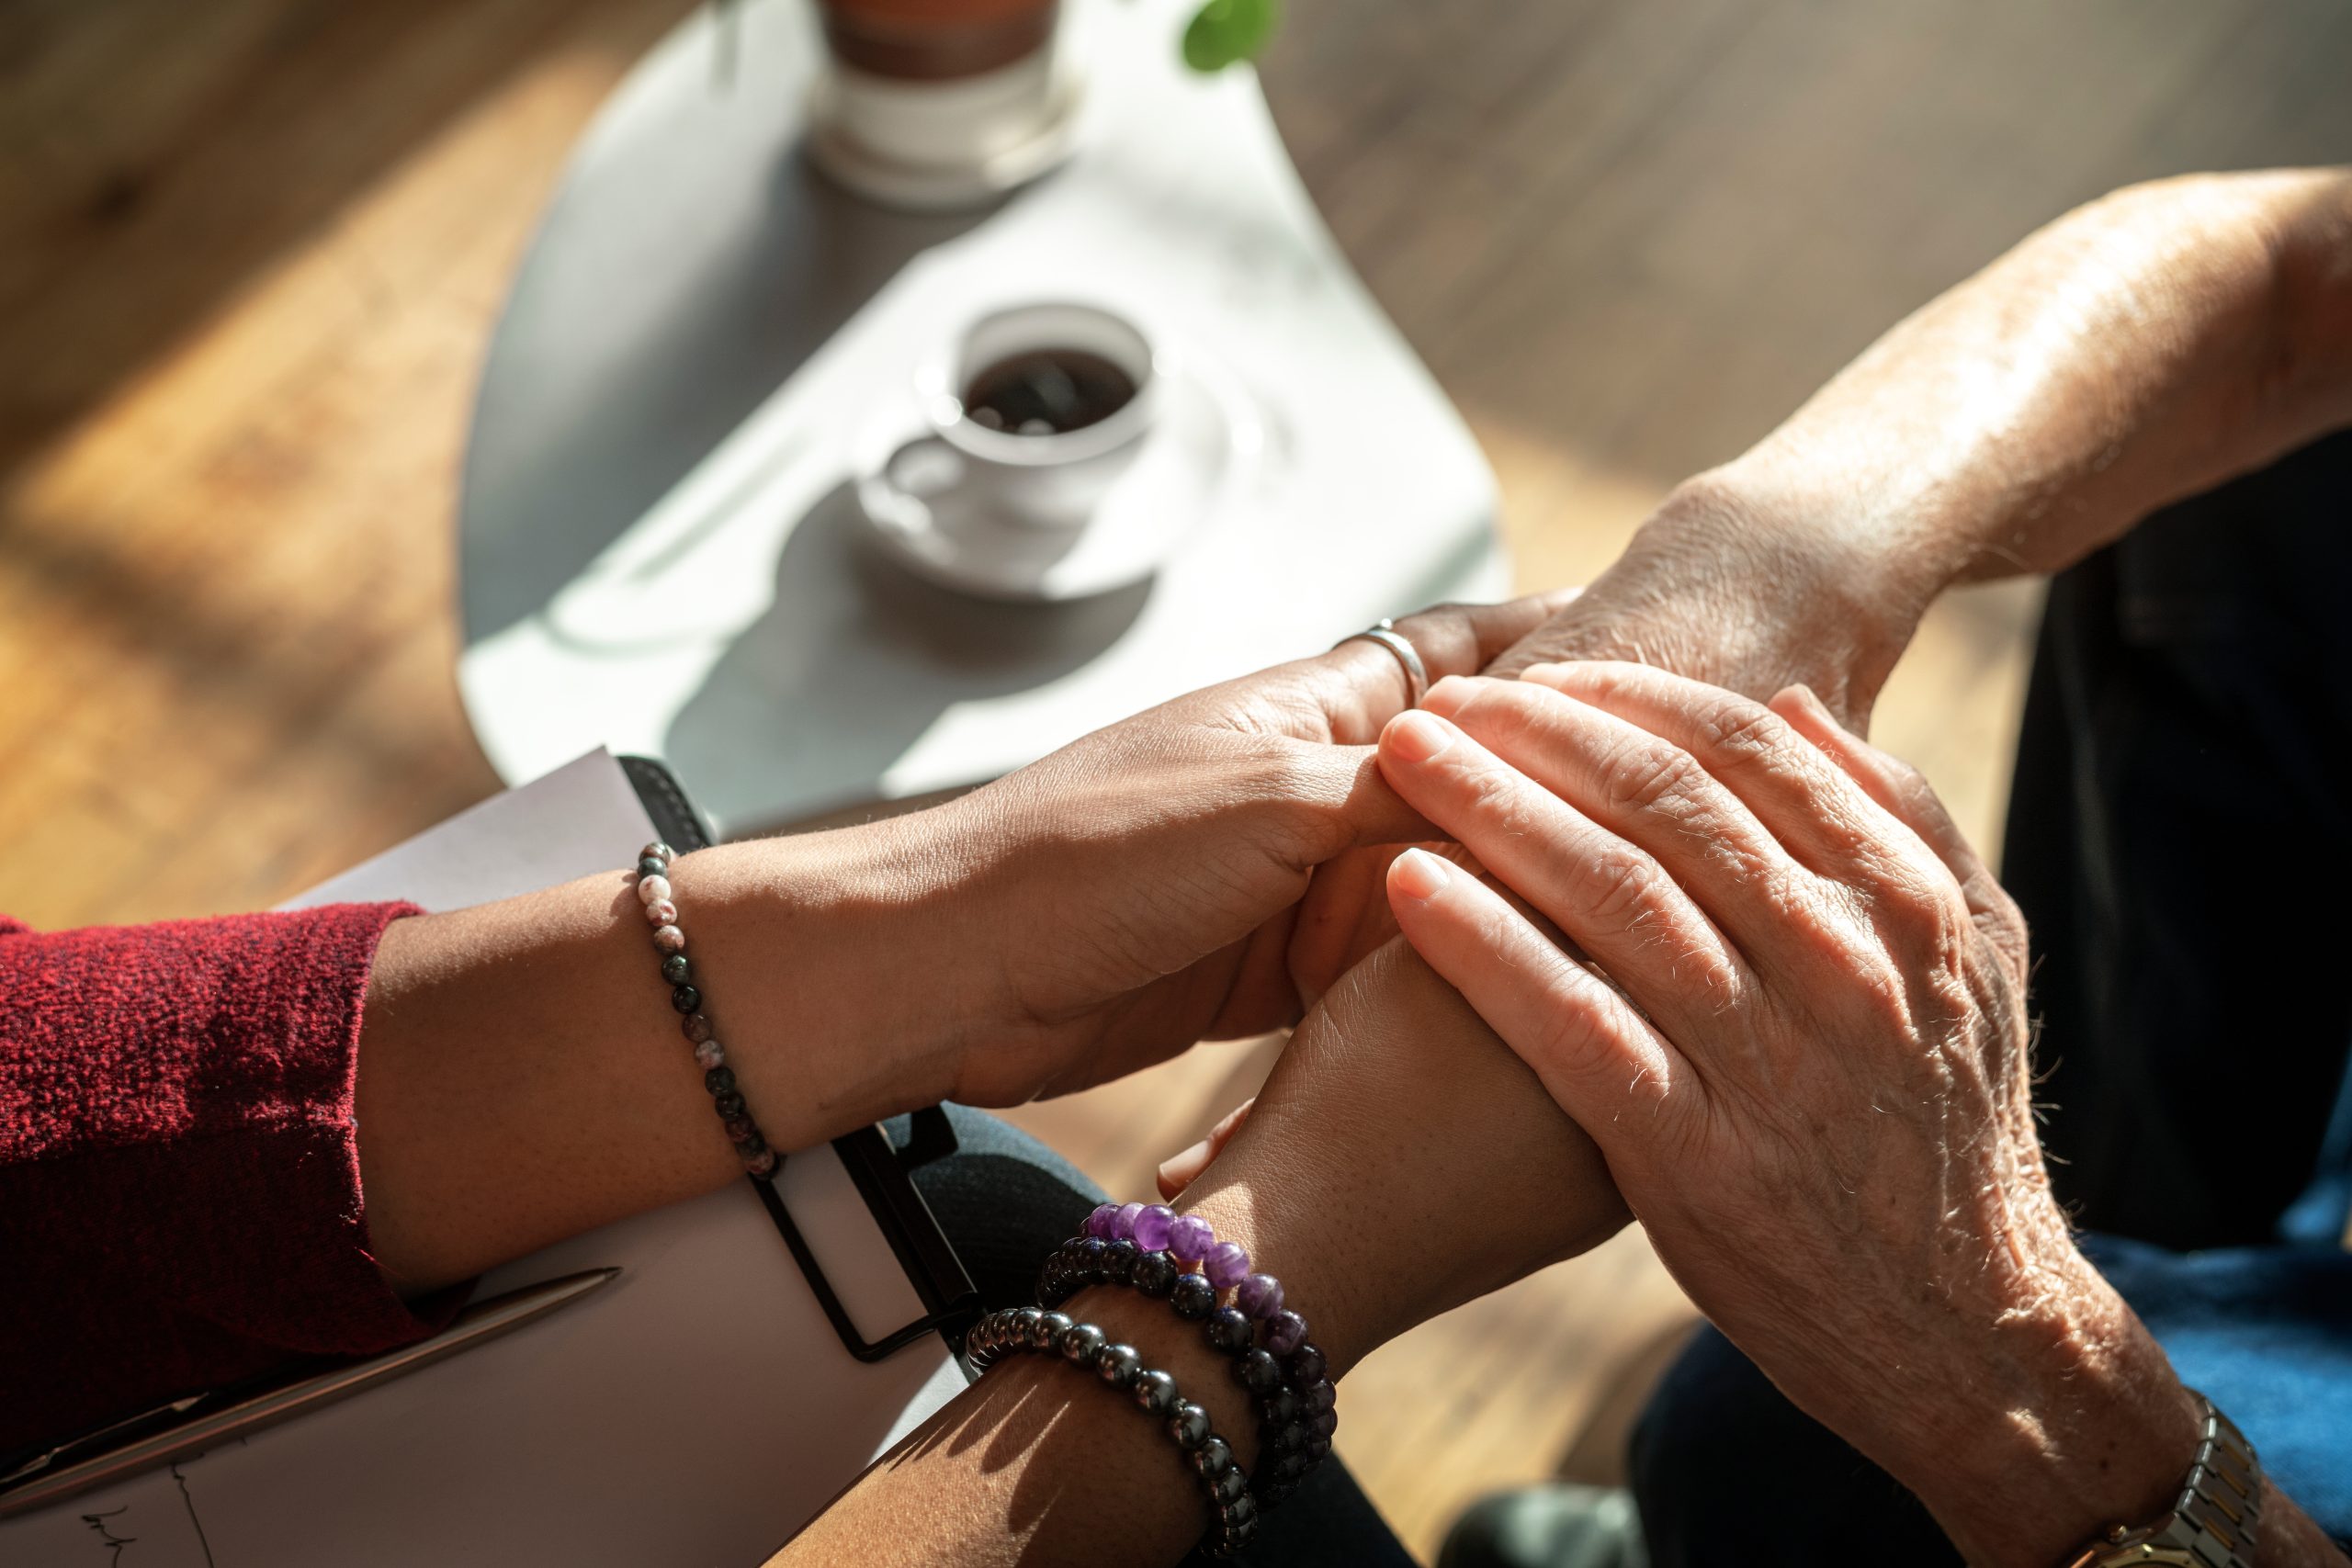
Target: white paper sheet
(696,1411)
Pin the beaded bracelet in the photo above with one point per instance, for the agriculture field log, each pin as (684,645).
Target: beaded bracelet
(1144,1245)
(654,892)
(1298,1413)
(1015,1329)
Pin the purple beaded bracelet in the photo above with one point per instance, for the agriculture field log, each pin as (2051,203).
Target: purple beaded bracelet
(654,892)
(1188,1238)
(1190,1268)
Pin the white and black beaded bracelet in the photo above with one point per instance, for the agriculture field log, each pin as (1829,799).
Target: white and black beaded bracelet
(1034,1330)
(658,900)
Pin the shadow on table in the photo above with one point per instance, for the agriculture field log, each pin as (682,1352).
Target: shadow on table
(660,366)
(859,652)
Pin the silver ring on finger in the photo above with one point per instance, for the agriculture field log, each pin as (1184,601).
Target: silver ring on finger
(1384,633)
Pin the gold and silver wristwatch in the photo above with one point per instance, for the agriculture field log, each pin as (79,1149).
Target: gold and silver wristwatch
(2212,1521)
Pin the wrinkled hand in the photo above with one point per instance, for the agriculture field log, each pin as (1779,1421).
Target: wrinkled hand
(1137,890)
(1748,583)
(1807,1068)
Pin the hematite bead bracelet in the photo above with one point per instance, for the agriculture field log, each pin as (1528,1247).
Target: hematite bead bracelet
(1033,1330)
(1147,1246)
(654,893)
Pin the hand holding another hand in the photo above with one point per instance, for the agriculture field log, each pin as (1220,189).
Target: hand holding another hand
(1138,890)
(1806,1068)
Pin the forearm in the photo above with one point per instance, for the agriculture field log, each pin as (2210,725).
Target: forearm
(1037,1464)
(1040,1463)
(523,1076)
(2137,350)
(2141,349)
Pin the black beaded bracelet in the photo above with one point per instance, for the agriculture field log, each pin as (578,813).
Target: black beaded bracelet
(1033,1330)
(1296,1399)
(654,892)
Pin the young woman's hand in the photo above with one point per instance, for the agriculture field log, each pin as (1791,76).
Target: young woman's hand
(1802,1043)
(1138,890)
(1109,906)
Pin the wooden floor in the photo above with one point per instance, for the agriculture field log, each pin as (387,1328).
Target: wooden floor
(251,250)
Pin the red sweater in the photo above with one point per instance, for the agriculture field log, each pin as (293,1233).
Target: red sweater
(179,1181)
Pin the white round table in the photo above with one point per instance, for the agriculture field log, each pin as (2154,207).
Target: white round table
(660,545)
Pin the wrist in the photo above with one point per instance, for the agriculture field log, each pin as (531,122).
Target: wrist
(839,962)
(1823,560)
(1363,1178)
(1744,577)
(2075,1423)
(1310,1253)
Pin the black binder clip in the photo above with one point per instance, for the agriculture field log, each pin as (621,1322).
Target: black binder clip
(950,1302)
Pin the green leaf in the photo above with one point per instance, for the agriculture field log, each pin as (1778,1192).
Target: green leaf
(1225,31)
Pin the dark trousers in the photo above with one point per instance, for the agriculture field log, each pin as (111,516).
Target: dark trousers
(1006,1202)
(2180,839)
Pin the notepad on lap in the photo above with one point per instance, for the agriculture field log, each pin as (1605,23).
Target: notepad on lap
(697,1410)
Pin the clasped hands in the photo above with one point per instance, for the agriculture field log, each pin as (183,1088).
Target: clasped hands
(1713,961)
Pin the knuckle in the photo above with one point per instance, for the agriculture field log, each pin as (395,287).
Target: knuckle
(1618,889)
(1570,1040)
(1913,790)
(1574,1038)
(1295,797)
(1741,730)
(1910,900)
(1440,633)
(2007,916)
(1641,777)
(1907,776)
(1453,610)
(1497,800)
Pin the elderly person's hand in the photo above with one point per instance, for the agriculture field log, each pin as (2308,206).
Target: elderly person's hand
(1806,1068)
(1752,581)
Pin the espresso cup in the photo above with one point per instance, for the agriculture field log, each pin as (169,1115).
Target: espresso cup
(1048,478)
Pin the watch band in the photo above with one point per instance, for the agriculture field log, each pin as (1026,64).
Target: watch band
(2213,1518)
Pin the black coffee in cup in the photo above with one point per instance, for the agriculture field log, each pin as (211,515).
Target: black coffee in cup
(1047,391)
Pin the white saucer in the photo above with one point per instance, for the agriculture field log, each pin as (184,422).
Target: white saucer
(1205,438)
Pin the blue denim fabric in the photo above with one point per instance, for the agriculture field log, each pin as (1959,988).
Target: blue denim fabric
(2266,1332)
(1728,1471)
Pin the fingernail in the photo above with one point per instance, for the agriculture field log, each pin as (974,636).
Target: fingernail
(1178,1166)
(1420,875)
(1417,737)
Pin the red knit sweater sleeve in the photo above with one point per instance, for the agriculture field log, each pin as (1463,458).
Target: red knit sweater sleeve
(179,1178)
